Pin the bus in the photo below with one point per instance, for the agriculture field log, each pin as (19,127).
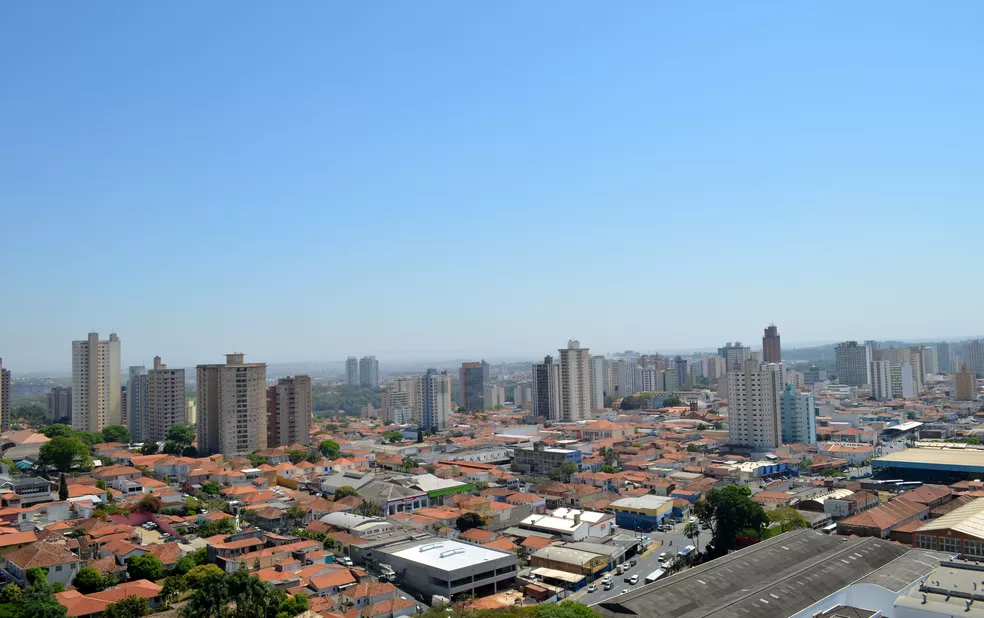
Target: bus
(655,575)
(686,551)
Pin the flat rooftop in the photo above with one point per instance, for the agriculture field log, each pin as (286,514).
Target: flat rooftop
(449,555)
(935,458)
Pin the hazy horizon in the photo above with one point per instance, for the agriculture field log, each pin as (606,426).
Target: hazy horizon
(455,180)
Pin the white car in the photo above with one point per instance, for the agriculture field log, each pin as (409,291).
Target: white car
(592,588)
(634,580)
(662,556)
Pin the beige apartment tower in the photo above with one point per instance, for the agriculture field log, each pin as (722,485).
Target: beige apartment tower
(289,410)
(966,387)
(96,395)
(165,400)
(231,403)
(575,383)
(754,410)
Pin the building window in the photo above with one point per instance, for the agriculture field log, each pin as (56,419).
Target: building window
(949,545)
(974,548)
(925,541)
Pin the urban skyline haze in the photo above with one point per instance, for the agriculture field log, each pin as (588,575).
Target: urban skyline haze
(320,180)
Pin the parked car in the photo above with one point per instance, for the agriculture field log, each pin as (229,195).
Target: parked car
(662,556)
(634,580)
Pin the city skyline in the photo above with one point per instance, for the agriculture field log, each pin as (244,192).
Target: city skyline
(417,136)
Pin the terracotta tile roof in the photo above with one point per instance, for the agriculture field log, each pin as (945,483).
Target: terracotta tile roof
(78,604)
(389,606)
(167,553)
(536,542)
(369,589)
(41,554)
(502,544)
(885,516)
(16,538)
(329,580)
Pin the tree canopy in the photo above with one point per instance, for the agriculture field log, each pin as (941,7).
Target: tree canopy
(89,580)
(672,401)
(329,448)
(116,433)
(729,510)
(63,453)
(129,607)
(468,521)
(145,566)
(787,518)
(345,491)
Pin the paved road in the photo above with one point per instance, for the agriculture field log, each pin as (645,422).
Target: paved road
(671,542)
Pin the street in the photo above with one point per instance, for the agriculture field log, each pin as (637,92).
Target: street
(645,565)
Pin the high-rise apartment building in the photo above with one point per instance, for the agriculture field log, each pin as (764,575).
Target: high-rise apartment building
(754,409)
(716,367)
(494,396)
(880,377)
(966,386)
(973,357)
(165,400)
(394,403)
(903,381)
(734,356)
(471,385)
(853,362)
(96,383)
(623,377)
(930,360)
(136,403)
(231,402)
(575,383)
(798,422)
(596,376)
(58,405)
(771,350)
(191,412)
(352,371)
(5,419)
(779,369)
(523,394)
(546,389)
(435,414)
(943,358)
(369,371)
(289,409)
(681,367)
(913,356)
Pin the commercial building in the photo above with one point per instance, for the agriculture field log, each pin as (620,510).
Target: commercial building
(938,463)
(231,402)
(798,417)
(96,383)
(904,381)
(754,415)
(435,409)
(814,374)
(472,386)
(165,400)
(289,409)
(571,524)
(546,389)
(523,393)
(136,403)
(449,568)
(974,357)
(644,513)
(853,362)
(596,377)
(961,531)
(58,405)
(396,407)
(799,574)
(734,355)
(966,385)
(369,372)
(771,349)
(541,460)
(575,383)
(622,377)
(4,397)
(352,371)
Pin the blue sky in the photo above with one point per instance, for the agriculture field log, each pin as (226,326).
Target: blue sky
(432,179)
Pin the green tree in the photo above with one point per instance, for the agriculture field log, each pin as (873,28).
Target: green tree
(693,447)
(409,464)
(145,566)
(692,532)
(200,574)
(116,433)
(89,580)
(973,440)
(149,448)
(253,598)
(211,489)
(63,453)
(833,472)
(564,471)
(182,434)
(468,521)
(189,451)
(296,513)
(345,491)
(608,469)
(184,565)
(130,607)
(62,488)
(200,556)
(393,436)
(38,601)
(329,448)
(564,609)
(11,593)
(368,508)
(717,425)
(296,455)
(729,510)
(292,606)
(209,527)
(420,436)
(58,430)
(149,504)
(672,401)
(172,588)
(787,518)
(805,464)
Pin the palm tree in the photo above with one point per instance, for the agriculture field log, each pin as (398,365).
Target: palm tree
(692,532)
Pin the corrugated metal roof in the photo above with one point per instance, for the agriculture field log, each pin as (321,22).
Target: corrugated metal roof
(968,519)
